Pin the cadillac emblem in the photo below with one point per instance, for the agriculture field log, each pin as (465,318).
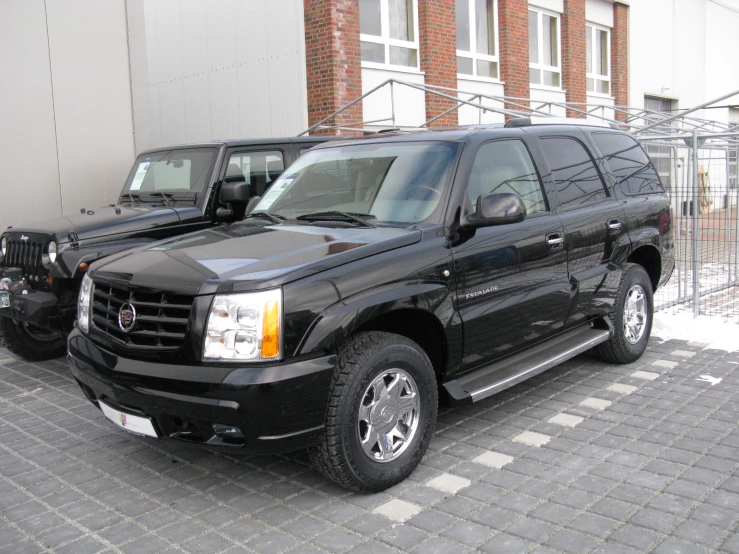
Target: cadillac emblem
(126,317)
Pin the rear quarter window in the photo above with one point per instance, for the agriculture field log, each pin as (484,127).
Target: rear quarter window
(631,166)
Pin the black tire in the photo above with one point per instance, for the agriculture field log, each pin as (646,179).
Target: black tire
(28,344)
(340,455)
(618,349)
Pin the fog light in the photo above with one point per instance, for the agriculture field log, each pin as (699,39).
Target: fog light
(227,431)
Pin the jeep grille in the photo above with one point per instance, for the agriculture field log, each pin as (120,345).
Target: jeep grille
(160,322)
(26,254)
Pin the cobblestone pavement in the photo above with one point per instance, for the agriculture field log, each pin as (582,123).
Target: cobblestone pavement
(587,457)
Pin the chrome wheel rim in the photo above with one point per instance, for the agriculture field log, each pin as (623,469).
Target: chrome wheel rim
(388,415)
(635,314)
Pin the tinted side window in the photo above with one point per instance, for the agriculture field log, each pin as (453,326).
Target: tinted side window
(578,181)
(259,169)
(629,163)
(506,166)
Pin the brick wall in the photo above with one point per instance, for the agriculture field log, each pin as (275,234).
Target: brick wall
(513,38)
(620,56)
(574,50)
(333,60)
(437,30)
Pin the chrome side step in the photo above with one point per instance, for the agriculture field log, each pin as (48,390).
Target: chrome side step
(493,378)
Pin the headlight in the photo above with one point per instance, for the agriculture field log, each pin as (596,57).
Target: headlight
(49,257)
(244,326)
(84,304)
(3,247)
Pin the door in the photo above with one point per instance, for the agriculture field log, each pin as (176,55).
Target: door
(595,230)
(512,287)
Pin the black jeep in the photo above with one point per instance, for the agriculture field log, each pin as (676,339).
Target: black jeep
(169,192)
(374,275)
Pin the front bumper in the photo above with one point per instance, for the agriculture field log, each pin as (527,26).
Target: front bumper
(277,408)
(34,308)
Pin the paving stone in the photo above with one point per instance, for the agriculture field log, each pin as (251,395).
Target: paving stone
(675,546)
(595,403)
(398,510)
(620,388)
(532,439)
(665,363)
(683,353)
(493,459)
(646,375)
(566,420)
(448,483)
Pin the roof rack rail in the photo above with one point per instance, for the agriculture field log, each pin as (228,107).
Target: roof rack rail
(527,121)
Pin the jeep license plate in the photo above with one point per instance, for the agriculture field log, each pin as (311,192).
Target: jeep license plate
(4,299)
(134,424)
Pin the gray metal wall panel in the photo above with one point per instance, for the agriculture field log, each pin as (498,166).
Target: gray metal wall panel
(226,69)
(92,99)
(29,179)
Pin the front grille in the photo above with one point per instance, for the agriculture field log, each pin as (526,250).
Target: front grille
(161,317)
(26,254)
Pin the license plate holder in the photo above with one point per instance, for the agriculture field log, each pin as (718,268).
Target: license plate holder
(4,299)
(132,423)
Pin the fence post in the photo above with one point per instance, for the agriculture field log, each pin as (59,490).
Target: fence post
(728,209)
(696,230)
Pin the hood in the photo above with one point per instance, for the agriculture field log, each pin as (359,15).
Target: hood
(100,222)
(248,256)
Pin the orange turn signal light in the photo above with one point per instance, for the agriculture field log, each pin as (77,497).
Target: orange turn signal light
(271,330)
(50,280)
(83,267)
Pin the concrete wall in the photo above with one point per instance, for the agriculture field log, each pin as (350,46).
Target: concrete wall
(66,130)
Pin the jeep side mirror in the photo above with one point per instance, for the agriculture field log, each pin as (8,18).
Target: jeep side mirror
(236,196)
(497,208)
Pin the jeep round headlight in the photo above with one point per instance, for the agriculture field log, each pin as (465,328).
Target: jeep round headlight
(244,327)
(84,304)
(49,256)
(3,247)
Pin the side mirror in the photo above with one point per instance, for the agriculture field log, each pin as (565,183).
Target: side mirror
(497,208)
(236,195)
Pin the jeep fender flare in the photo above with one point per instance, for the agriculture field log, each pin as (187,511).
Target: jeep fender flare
(339,321)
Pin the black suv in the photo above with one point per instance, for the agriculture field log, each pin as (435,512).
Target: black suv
(168,192)
(373,276)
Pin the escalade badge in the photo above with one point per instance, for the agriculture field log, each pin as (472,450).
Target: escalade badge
(126,317)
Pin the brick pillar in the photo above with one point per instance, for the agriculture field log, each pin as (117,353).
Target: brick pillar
(333,61)
(513,38)
(437,34)
(574,53)
(620,56)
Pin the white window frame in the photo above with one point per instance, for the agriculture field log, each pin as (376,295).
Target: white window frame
(472,54)
(387,42)
(540,45)
(592,28)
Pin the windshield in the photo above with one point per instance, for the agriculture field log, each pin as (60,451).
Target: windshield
(176,174)
(389,182)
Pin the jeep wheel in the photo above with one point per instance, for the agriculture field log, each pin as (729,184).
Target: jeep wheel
(30,342)
(631,316)
(381,413)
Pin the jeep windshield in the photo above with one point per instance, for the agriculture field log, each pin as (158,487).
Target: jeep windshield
(386,182)
(169,176)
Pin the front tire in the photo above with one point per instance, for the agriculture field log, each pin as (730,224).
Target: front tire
(381,413)
(32,343)
(632,317)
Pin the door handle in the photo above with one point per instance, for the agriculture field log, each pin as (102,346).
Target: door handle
(555,240)
(614,225)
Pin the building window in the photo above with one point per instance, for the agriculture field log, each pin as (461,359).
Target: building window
(732,169)
(661,155)
(477,38)
(389,32)
(545,65)
(598,59)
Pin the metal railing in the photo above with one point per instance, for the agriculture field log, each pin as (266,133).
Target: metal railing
(696,158)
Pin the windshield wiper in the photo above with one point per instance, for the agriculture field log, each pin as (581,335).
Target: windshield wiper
(265,215)
(132,197)
(165,196)
(334,215)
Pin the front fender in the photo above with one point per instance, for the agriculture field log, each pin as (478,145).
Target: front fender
(69,258)
(335,324)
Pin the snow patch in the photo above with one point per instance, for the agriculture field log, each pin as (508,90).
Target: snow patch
(710,331)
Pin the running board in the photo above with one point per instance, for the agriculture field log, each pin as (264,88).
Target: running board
(501,375)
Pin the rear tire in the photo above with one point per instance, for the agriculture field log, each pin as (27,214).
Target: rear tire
(381,413)
(32,343)
(632,317)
